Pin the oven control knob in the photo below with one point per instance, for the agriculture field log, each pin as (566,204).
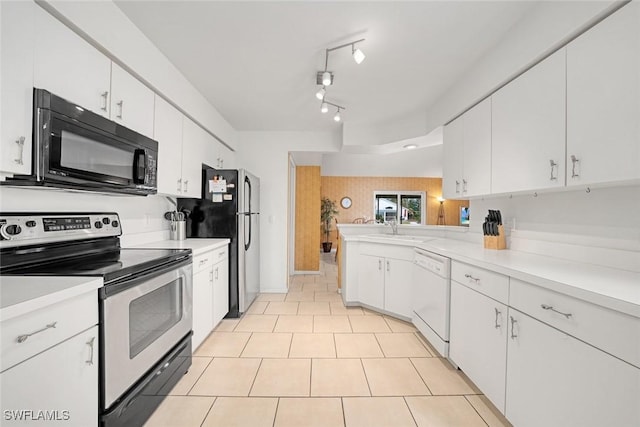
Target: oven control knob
(30,223)
(9,230)
(115,223)
(98,224)
(106,220)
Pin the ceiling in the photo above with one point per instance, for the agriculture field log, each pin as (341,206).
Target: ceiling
(256,62)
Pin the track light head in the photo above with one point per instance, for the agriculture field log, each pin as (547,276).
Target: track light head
(358,56)
(337,117)
(324,108)
(320,94)
(327,78)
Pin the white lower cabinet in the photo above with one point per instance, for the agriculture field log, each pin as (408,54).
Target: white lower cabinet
(57,386)
(202,306)
(555,380)
(220,290)
(385,282)
(478,340)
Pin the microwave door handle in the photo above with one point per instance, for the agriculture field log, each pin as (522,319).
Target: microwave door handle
(139,174)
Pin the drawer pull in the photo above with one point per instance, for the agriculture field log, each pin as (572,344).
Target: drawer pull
(90,344)
(549,307)
(221,254)
(470,277)
(23,338)
(498,313)
(513,327)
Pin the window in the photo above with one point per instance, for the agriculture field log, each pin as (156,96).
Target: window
(411,203)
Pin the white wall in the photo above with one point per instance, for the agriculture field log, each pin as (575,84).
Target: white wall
(546,25)
(110,28)
(266,155)
(423,162)
(141,217)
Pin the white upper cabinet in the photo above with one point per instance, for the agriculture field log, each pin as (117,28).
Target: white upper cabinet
(131,102)
(69,67)
(528,129)
(476,177)
(467,154)
(16,85)
(168,132)
(453,140)
(194,142)
(603,101)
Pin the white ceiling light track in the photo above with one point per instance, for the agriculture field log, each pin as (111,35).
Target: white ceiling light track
(325,78)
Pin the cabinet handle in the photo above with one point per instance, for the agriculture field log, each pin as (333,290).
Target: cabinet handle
(20,142)
(203,262)
(549,307)
(553,165)
(221,254)
(179,186)
(211,277)
(222,163)
(574,161)
(457,187)
(90,344)
(120,104)
(379,264)
(464,186)
(186,185)
(470,277)
(387,265)
(23,338)
(216,276)
(513,325)
(104,96)
(498,313)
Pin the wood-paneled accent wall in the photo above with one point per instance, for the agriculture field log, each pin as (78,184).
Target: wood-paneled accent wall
(307,217)
(360,190)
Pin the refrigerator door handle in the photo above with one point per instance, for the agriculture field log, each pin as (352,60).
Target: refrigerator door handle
(247,183)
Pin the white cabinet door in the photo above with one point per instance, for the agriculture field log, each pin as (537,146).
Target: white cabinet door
(168,132)
(556,380)
(202,306)
(453,140)
(478,340)
(371,280)
(131,102)
(193,145)
(220,291)
(227,158)
(63,379)
(397,286)
(16,85)
(603,101)
(69,67)
(528,126)
(476,164)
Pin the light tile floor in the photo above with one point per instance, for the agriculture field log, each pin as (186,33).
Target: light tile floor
(303,359)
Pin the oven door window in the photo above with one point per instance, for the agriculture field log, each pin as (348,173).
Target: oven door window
(153,314)
(81,152)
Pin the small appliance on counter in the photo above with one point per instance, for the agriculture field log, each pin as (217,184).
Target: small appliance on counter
(145,304)
(230,208)
(493,230)
(77,149)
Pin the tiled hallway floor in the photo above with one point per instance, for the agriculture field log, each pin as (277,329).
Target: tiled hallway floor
(302,359)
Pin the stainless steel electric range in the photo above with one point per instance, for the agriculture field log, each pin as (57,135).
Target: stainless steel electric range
(145,304)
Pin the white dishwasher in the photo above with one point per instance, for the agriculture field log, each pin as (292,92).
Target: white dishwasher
(431,294)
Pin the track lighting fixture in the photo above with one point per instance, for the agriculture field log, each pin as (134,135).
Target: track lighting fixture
(325,78)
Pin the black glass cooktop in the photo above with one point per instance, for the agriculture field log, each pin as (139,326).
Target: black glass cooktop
(111,265)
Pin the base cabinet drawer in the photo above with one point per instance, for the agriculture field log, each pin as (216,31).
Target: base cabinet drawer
(555,380)
(56,387)
(489,283)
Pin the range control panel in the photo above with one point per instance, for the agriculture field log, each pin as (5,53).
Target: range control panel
(26,229)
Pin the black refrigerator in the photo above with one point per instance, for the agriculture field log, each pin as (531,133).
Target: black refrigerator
(230,208)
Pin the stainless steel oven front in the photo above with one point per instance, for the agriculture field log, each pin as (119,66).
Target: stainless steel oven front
(141,324)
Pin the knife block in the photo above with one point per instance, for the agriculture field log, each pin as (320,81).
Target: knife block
(496,242)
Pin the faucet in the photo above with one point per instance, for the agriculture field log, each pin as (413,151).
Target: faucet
(394,226)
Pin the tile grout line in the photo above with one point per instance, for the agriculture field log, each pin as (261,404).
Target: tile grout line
(420,376)
(375,335)
(275,414)
(215,399)
(366,378)
(199,376)
(254,378)
(244,347)
(404,398)
(475,409)
(344,417)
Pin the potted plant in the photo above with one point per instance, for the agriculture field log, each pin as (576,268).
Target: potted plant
(328,211)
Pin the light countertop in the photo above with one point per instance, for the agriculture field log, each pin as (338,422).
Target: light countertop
(608,287)
(197,246)
(23,294)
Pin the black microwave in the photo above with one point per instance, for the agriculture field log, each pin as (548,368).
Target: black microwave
(76,148)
